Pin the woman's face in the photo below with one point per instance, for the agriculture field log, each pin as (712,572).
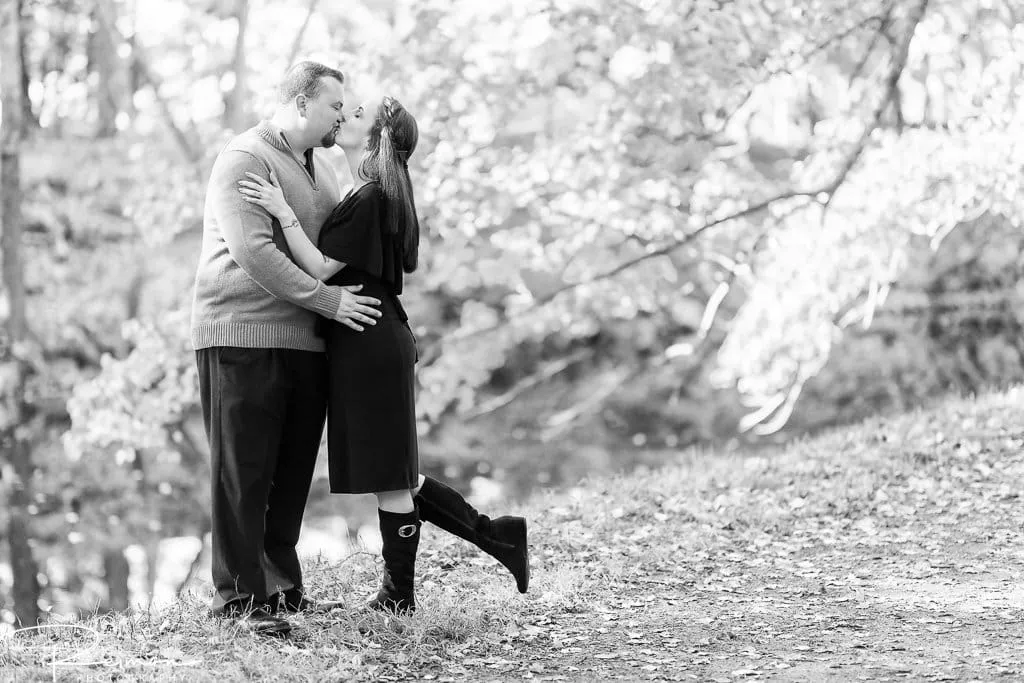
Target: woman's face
(358,121)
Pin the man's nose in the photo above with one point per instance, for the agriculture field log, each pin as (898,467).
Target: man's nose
(341,117)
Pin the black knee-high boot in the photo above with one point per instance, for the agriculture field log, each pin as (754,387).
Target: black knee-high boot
(400,532)
(503,538)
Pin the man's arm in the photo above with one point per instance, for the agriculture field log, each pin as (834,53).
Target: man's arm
(248,232)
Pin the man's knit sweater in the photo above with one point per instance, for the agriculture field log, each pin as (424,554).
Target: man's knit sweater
(248,291)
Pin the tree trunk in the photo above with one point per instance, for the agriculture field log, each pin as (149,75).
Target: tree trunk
(133,79)
(300,34)
(107,65)
(235,110)
(29,118)
(140,69)
(15,457)
(115,572)
(25,569)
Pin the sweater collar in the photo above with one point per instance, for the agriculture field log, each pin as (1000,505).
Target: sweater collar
(273,134)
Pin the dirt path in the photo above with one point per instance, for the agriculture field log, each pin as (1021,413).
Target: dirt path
(889,552)
(832,628)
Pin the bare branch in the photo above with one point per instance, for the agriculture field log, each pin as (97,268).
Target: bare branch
(703,350)
(549,371)
(882,31)
(83,347)
(726,119)
(783,410)
(561,421)
(843,35)
(881,20)
(664,250)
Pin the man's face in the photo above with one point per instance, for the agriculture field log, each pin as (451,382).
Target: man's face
(323,113)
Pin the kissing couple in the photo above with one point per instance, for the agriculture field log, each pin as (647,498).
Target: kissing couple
(297,320)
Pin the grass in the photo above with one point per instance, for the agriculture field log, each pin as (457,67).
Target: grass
(884,551)
(183,643)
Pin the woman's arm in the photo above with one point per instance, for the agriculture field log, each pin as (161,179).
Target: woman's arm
(268,195)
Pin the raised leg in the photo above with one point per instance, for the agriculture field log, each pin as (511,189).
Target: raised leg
(503,538)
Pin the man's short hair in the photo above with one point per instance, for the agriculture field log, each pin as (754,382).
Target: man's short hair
(305,78)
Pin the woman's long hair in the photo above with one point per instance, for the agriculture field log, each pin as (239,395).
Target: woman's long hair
(392,141)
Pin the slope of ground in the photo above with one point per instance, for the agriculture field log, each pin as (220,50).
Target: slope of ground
(886,551)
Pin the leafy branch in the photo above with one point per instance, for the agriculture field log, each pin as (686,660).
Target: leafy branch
(828,189)
(776,410)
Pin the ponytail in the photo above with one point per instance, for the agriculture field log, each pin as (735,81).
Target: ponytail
(389,165)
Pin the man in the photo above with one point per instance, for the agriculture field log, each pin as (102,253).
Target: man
(262,368)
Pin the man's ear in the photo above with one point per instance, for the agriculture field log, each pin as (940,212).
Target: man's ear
(300,104)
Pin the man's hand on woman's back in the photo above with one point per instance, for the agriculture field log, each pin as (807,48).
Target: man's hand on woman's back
(355,310)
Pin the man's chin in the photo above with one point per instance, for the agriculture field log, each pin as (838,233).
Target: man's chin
(329,140)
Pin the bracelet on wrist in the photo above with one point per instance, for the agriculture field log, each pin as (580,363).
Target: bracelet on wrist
(293,223)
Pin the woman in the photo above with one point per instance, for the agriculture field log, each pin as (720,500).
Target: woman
(372,239)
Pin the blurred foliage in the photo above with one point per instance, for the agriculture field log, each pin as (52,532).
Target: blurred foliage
(649,223)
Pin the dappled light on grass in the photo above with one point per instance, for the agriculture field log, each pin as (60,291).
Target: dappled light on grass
(183,642)
(885,548)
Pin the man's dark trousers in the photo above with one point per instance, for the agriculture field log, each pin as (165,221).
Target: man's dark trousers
(264,413)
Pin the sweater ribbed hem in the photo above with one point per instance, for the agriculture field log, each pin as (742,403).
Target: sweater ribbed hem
(255,336)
